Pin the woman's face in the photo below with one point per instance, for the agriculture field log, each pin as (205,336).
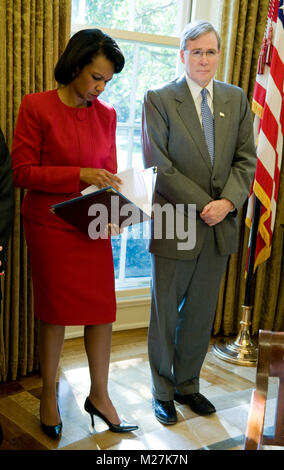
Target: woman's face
(92,79)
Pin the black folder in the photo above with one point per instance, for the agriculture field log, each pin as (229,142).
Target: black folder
(76,211)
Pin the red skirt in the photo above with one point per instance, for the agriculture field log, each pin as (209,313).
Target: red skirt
(73,276)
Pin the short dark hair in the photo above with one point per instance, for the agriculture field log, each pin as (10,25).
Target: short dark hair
(80,51)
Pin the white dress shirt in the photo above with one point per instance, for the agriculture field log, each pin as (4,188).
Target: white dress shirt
(195,90)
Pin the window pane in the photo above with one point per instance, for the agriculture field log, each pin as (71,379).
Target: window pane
(138,259)
(118,90)
(108,13)
(156,65)
(146,16)
(122,146)
(146,66)
(156,17)
(137,161)
(116,242)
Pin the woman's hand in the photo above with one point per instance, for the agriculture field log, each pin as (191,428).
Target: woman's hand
(99,177)
(113,230)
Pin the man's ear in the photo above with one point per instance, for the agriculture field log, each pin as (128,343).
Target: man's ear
(182,55)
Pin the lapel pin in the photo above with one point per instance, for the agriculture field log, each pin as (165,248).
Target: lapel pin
(222,114)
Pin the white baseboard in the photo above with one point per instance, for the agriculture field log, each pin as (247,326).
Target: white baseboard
(133,311)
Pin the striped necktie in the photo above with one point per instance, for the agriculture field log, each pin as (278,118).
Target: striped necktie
(208,124)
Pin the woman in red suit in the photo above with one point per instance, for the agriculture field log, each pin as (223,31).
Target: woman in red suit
(65,140)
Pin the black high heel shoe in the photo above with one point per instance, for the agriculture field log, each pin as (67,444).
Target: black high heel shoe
(52,431)
(122,427)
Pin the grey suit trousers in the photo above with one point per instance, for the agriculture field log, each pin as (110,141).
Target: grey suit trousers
(184,297)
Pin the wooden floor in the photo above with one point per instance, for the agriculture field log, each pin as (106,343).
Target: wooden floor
(228,386)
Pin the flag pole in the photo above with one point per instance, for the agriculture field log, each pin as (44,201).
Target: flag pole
(242,351)
(254,230)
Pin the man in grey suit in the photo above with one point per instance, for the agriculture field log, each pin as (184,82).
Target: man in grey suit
(199,134)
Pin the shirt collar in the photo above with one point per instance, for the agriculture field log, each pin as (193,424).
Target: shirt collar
(195,89)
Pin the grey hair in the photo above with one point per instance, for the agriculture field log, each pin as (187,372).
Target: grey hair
(195,29)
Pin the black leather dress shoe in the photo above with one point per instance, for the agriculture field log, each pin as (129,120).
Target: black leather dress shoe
(197,402)
(165,411)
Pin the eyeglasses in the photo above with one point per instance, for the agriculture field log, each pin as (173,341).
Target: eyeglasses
(198,54)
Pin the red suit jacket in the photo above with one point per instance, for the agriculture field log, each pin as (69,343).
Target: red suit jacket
(52,142)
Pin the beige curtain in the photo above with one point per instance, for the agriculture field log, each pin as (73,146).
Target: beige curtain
(33,33)
(242,29)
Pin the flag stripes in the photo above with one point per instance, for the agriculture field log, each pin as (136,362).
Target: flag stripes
(268,126)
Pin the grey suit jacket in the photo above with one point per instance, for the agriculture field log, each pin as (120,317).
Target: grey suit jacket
(173,140)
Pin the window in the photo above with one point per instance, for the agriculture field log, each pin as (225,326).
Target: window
(148,33)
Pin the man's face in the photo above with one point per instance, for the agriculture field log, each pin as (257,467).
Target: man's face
(201,67)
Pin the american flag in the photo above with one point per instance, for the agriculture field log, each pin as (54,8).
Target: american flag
(268,127)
